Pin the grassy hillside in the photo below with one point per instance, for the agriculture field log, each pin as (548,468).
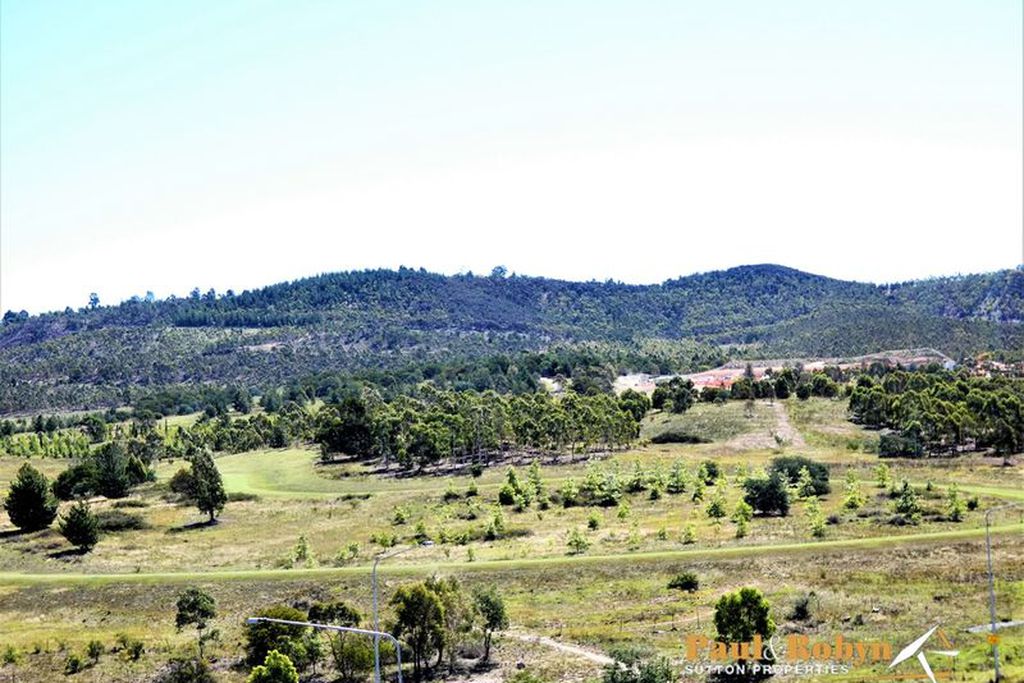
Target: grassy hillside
(872,579)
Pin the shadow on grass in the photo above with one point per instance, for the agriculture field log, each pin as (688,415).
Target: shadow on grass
(205,524)
(67,553)
(13,533)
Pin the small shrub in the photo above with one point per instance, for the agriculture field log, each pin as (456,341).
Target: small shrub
(476,469)
(73,664)
(689,534)
(94,650)
(801,609)
(686,581)
(400,516)
(130,503)
(577,542)
(113,521)
(677,436)
(450,493)
(594,521)
(187,670)
(507,494)
(742,527)
(10,656)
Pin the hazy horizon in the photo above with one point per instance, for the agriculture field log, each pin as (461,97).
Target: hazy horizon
(159,147)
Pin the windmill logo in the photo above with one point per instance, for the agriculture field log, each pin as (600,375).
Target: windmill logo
(917,648)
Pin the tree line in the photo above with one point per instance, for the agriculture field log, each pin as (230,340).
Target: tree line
(940,412)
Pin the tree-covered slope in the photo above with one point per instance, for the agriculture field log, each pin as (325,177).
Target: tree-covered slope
(382,320)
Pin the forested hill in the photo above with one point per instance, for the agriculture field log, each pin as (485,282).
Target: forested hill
(389,319)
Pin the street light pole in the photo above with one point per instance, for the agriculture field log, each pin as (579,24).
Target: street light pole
(376,612)
(994,639)
(344,629)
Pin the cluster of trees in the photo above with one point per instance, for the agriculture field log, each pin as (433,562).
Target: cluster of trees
(32,501)
(678,395)
(941,412)
(450,424)
(109,471)
(432,618)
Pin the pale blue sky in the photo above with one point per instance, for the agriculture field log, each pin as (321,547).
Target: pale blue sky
(165,145)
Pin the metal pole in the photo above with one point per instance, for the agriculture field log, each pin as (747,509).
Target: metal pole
(991,593)
(343,629)
(992,585)
(376,625)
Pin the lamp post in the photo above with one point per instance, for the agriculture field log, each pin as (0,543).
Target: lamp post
(994,639)
(344,629)
(376,614)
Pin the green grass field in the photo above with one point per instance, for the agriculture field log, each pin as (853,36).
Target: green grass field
(872,579)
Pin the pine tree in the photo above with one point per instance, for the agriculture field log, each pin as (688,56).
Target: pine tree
(208,495)
(30,504)
(80,527)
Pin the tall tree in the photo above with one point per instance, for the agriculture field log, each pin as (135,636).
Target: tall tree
(208,487)
(111,462)
(420,622)
(30,504)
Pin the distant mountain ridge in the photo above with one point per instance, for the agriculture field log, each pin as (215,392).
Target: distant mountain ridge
(383,319)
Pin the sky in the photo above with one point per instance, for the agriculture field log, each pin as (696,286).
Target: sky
(161,146)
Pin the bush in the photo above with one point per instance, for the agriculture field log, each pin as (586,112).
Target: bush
(75,482)
(896,445)
(801,608)
(577,542)
(183,483)
(80,527)
(186,670)
(687,581)
(10,656)
(712,472)
(507,494)
(768,495)
(637,664)
(277,668)
(115,520)
(73,664)
(262,637)
(94,650)
(789,467)
(29,503)
(678,436)
(133,648)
